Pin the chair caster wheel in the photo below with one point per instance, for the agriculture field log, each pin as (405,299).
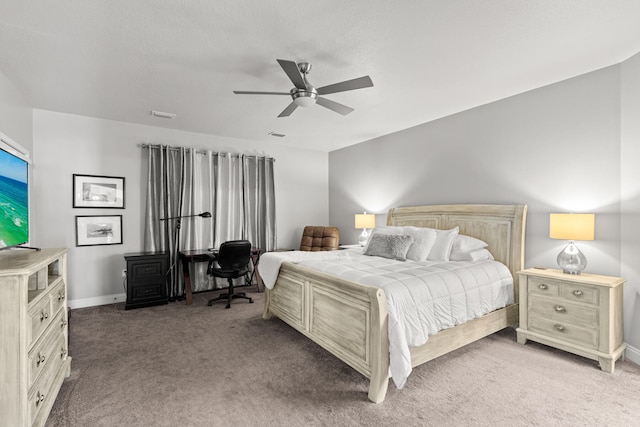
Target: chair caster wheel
(251,301)
(228,306)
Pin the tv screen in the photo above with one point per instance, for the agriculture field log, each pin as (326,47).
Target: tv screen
(14,200)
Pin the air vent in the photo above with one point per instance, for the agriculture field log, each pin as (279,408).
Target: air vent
(279,135)
(163,114)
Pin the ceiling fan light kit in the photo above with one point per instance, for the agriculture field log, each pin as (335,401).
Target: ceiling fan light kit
(304,98)
(305,95)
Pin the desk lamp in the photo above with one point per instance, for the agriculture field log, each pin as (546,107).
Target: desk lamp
(571,227)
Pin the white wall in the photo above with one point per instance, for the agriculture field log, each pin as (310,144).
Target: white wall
(65,144)
(630,206)
(16,118)
(556,148)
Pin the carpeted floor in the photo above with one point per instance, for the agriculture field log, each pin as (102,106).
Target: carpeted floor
(178,365)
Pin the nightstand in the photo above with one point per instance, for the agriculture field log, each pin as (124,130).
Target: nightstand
(581,314)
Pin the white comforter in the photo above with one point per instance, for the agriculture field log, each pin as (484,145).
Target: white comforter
(422,297)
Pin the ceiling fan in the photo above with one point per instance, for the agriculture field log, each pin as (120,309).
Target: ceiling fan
(305,95)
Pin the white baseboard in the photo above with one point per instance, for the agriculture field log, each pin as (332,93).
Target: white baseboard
(103,300)
(632,354)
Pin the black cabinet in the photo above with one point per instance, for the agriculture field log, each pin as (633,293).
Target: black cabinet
(146,279)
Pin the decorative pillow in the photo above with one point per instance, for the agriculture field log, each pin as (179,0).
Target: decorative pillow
(392,246)
(475,255)
(442,247)
(384,229)
(423,239)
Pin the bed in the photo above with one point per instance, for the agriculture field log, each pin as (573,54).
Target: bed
(350,319)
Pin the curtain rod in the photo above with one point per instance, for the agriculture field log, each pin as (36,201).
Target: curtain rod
(201,151)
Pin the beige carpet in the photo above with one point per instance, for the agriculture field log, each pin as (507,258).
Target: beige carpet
(178,365)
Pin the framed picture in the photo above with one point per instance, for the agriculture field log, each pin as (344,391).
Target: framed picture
(92,230)
(95,191)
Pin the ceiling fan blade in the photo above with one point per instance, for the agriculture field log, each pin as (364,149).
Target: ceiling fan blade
(334,106)
(359,83)
(246,92)
(291,68)
(290,109)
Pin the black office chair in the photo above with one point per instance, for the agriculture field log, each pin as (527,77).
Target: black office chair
(233,263)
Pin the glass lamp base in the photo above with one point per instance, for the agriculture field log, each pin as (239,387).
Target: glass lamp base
(363,237)
(571,260)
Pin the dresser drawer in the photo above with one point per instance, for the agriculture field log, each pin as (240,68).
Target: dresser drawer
(585,337)
(47,349)
(564,311)
(57,296)
(42,394)
(40,316)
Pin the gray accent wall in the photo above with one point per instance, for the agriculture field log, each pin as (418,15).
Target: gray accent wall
(557,149)
(630,206)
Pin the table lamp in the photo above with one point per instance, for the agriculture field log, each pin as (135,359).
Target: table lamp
(365,221)
(571,227)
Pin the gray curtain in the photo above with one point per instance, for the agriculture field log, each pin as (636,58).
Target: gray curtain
(238,190)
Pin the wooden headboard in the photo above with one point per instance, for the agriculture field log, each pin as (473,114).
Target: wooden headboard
(501,226)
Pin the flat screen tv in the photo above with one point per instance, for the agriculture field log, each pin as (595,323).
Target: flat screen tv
(14,200)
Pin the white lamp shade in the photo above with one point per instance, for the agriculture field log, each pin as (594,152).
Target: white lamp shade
(365,221)
(570,226)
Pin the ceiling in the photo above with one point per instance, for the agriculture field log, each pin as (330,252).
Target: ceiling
(120,59)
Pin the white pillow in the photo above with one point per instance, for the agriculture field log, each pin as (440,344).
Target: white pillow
(423,239)
(475,255)
(442,247)
(463,244)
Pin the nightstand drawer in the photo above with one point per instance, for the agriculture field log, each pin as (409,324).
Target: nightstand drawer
(565,331)
(563,311)
(540,286)
(579,293)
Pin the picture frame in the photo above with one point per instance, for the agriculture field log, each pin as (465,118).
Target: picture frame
(98,191)
(94,230)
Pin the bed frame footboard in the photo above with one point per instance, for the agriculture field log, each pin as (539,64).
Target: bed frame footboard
(346,318)
(350,320)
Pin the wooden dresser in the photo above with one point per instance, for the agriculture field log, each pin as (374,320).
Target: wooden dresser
(581,314)
(34,357)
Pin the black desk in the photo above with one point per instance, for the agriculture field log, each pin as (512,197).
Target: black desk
(204,255)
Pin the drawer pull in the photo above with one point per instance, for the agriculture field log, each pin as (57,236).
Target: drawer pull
(60,296)
(43,316)
(63,323)
(560,309)
(40,359)
(542,286)
(559,328)
(39,398)
(578,293)
(63,352)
